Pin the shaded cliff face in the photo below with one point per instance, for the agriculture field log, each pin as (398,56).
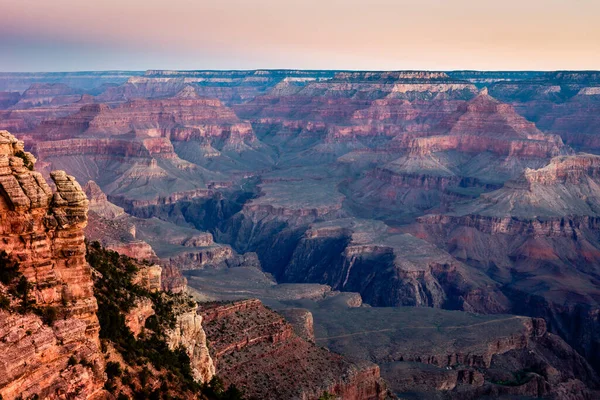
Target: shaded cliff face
(541,225)
(258,351)
(42,233)
(389,269)
(175,247)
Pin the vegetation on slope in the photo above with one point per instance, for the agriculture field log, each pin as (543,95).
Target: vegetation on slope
(151,370)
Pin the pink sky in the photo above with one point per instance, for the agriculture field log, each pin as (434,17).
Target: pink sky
(316,34)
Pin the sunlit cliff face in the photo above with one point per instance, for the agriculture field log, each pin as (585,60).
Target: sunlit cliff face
(350,34)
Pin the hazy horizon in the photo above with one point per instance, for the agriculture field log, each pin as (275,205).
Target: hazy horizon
(292,69)
(136,35)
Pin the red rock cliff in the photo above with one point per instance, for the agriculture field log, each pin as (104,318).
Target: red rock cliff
(43,232)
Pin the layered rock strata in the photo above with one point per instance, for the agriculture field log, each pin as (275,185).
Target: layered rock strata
(43,232)
(267,359)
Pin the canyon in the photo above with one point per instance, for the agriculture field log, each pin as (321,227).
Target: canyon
(470,197)
(75,316)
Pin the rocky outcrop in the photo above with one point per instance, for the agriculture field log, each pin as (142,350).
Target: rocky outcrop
(136,318)
(99,204)
(149,277)
(302,321)
(255,349)
(202,257)
(172,280)
(118,233)
(43,232)
(189,334)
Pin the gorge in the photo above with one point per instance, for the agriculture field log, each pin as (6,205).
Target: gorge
(323,220)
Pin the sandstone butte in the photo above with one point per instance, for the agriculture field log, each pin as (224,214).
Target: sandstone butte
(43,230)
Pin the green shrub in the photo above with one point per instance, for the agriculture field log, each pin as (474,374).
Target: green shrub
(49,315)
(4,303)
(9,269)
(326,396)
(21,290)
(110,387)
(233,393)
(116,294)
(113,369)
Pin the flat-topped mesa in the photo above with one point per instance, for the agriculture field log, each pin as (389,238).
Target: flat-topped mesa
(43,232)
(412,85)
(573,77)
(239,74)
(392,75)
(232,87)
(565,169)
(295,200)
(590,91)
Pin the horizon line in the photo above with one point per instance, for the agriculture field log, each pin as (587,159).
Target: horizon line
(294,69)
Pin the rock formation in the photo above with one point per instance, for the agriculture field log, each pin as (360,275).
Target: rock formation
(451,190)
(267,359)
(540,223)
(428,353)
(43,232)
(51,345)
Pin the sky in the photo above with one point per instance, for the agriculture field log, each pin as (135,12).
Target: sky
(71,35)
